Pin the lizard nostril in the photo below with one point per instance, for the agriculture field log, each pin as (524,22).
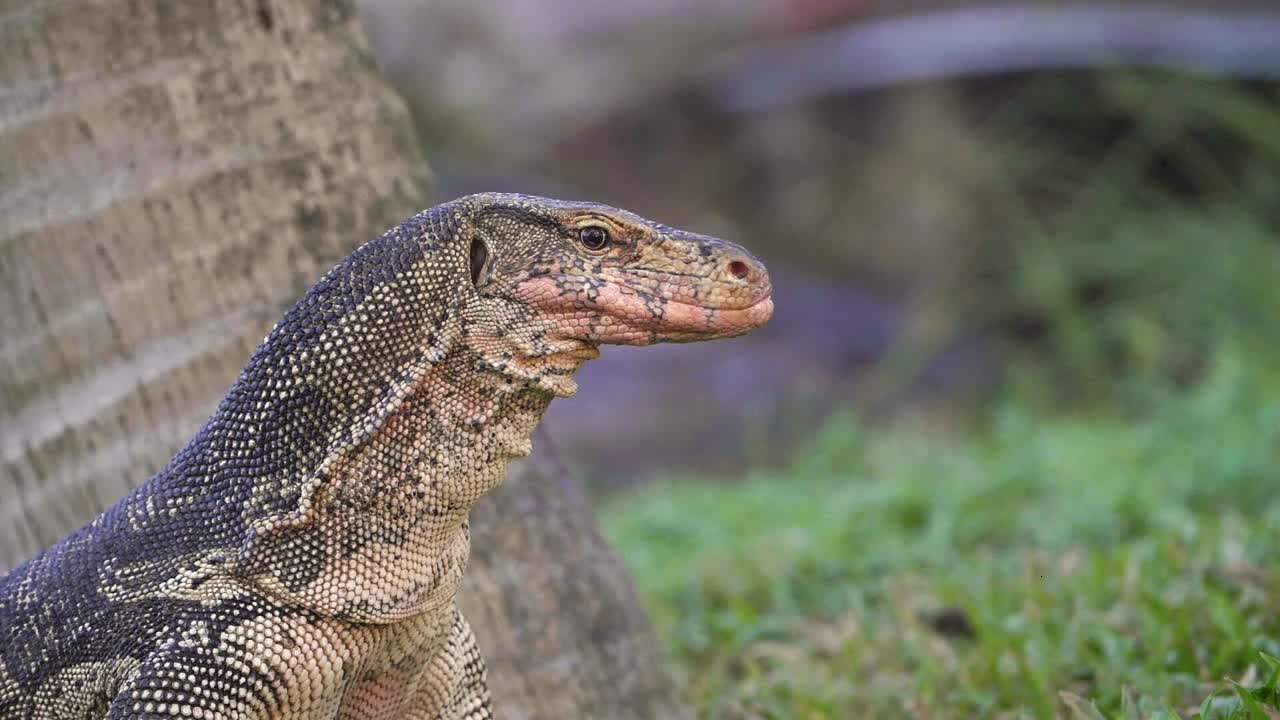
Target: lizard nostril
(739,269)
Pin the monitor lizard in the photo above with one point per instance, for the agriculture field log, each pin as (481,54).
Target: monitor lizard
(300,556)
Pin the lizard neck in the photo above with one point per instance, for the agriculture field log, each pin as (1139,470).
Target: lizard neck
(394,515)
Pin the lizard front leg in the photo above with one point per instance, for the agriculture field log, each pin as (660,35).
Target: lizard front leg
(176,683)
(253,661)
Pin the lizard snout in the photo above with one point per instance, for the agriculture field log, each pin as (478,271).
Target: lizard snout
(750,272)
(715,289)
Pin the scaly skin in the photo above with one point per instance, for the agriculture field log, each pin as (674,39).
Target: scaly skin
(299,558)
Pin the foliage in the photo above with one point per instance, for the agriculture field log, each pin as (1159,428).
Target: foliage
(1103,542)
(1133,218)
(1038,565)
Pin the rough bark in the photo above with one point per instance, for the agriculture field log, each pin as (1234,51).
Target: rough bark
(172,176)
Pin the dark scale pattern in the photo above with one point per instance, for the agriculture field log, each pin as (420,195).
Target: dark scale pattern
(299,558)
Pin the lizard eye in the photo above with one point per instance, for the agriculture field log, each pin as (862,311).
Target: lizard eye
(594,238)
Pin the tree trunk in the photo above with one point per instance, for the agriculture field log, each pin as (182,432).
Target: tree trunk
(172,176)
(556,612)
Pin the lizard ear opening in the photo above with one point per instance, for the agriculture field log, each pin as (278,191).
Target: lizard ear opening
(479,257)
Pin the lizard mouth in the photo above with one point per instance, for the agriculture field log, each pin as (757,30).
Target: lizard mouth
(616,315)
(688,322)
(628,321)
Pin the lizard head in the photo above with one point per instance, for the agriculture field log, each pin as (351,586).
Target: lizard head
(599,275)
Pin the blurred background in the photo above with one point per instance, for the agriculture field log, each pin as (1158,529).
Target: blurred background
(1009,446)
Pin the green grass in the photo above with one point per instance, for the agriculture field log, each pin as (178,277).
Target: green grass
(1109,566)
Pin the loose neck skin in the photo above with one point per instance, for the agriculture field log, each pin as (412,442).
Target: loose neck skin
(395,515)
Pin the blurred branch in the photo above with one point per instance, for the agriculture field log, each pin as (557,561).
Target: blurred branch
(869,55)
